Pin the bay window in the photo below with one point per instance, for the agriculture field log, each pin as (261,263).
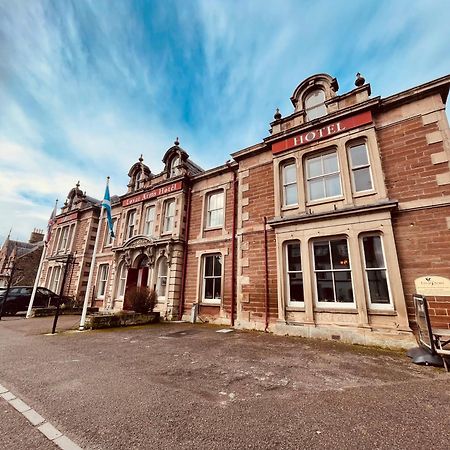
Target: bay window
(332,272)
(294,276)
(323,176)
(360,167)
(289,179)
(375,271)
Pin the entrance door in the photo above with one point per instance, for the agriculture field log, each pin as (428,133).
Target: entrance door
(131,283)
(142,278)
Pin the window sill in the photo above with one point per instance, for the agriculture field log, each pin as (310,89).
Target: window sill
(325,200)
(289,207)
(295,308)
(220,227)
(206,303)
(382,312)
(338,310)
(364,193)
(167,233)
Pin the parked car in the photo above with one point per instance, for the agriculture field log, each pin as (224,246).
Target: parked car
(19,299)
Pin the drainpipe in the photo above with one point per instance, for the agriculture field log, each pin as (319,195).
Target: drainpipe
(266,278)
(185,254)
(233,249)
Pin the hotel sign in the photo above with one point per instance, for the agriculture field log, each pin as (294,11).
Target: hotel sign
(321,133)
(153,194)
(68,218)
(433,286)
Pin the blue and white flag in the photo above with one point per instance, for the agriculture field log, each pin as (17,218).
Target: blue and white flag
(106,203)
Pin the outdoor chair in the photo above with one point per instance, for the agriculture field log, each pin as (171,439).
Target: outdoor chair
(435,341)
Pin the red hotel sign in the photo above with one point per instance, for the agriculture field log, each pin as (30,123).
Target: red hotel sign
(322,133)
(153,194)
(68,218)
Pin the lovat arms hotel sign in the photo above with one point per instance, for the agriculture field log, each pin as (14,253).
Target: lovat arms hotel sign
(153,193)
(321,133)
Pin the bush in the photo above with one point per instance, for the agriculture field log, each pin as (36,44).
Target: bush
(142,300)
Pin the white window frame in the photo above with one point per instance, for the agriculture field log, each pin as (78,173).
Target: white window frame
(210,210)
(335,303)
(363,166)
(122,280)
(149,225)
(316,107)
(130,224)
(49,277)
(174,166)
(374,306)
(64,237)
(137,180)
(212,301)
(169,220)
(288,272)
(162,261)
(323,176)
(108,239)
(103,273)
(286,184)
(55,280)
(55,240)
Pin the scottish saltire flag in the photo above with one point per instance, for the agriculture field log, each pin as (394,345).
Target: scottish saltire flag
(106,203)
(50,224)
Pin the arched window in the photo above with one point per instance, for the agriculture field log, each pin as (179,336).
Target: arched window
(174,170)
(137,181)
(161,282)
(315,104)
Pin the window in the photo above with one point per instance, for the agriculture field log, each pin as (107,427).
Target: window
(332,272)
(323,177)
(131,224)
(137,180)
(169,214)
(149,220)
(63,239)
(102,279)
(294,274)
(122,280)
(212,278)
(360,168)
(174,170)
(108,238)
(315,105)
(55,241)
(289,176)
(48,282)
(54,281)
(375,268)
(161,283)
(214,213)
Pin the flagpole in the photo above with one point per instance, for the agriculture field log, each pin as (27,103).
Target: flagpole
(91,269)
(39,271)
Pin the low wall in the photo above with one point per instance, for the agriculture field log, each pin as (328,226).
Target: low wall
(43,312)
(97,321)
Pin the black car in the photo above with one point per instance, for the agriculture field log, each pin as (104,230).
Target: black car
(19,299)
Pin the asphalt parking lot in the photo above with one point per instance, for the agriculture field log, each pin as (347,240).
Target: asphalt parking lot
(187,386)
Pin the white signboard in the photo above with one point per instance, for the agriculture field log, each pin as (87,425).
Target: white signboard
(433,286)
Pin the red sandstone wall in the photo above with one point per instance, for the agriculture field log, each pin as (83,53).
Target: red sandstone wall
(422,235)
(261,203)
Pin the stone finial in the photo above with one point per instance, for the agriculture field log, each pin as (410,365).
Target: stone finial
(177,142)
(78,184)
(277,115)
(141,158)
(360,80)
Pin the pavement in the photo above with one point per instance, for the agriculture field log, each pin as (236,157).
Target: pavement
(184,386)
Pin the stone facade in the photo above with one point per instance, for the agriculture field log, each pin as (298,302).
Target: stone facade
(321,229)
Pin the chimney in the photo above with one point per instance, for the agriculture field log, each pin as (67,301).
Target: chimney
(36,236)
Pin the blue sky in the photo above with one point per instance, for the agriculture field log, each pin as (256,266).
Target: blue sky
(87,86)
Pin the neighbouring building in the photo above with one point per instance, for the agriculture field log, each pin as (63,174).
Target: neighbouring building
(26,257)
(324,229)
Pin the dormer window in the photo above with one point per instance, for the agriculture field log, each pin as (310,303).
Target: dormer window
(137,181)
(174,170)
(315,104)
